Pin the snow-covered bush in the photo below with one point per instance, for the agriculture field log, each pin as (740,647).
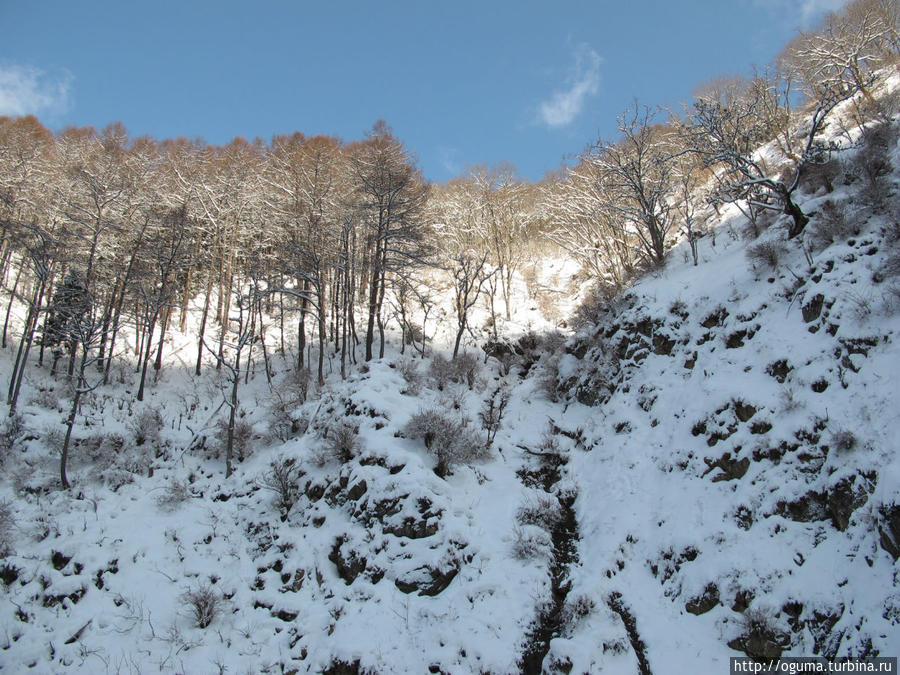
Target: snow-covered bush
(7,523)
(843,440)
(242,438)
(574,612)
(449,439)
(491,413)
(822,175)
(203,603)
(173,495)
(872,163)
(146,426)
(282,478)
(12,431)
(463,369)
(342,442)
(831,225)
(767,254)
(543,511)
(530,542)
(409,370)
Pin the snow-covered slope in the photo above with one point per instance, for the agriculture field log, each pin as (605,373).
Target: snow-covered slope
(707,468)
(739,485)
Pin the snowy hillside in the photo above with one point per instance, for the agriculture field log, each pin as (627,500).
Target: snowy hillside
(707,468)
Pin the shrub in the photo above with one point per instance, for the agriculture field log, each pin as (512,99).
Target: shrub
(7,523)
(282,479)
(204,603)
(831,225)
(342,442)
(450,440)
(872,162)
(463,369)
(574,612)
(530,542)
(543,511)
(242,438)
(409,370)
(767,254)
(146,427)
(13,429)
(491,414)
(822,175)
(843,440)
(173,495)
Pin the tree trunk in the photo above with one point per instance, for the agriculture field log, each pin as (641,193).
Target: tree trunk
(229,445)
(146,355)
(22,358)
(794,211)
(70,422)
(12,296)
(203,319)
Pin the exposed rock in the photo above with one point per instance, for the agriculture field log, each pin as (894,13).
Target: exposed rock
(715,319)
(357,491)
(704,602)
(736,339)
(744,411)
(732,469)
(889,528)
(427,580)
(836,503)
(813,309)
(350,564)
(662,344)
(779,370)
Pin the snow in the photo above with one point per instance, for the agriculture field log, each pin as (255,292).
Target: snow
(657,521)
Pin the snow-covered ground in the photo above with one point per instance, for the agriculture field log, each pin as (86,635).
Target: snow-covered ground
(708,469)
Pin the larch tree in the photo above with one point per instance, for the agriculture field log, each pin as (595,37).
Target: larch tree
(390,197)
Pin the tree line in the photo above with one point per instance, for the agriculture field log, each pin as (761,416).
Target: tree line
(317,243)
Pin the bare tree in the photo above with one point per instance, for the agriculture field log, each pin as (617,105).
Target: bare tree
(725,138)
(639,170)
(391,194)
(84,330)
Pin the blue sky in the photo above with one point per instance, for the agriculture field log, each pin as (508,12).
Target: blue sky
(461,82)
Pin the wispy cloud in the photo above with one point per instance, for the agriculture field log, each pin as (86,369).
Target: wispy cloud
(804,12)
(26,90)
(450,159)
(583,80)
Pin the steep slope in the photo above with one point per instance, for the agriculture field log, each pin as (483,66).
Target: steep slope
(738,490)
(706,468)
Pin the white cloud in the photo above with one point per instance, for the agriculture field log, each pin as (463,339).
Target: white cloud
(26,90)
(583,81)
(805,12)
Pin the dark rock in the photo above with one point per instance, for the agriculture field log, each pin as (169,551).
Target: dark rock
(742,600)
(736,339)
(744,411)
(889,528)
(836,503)
(357,491)
(813,309)
(732,469)
(427,580)
(662,345)
(760,427)
(715,319)
(349,565)
(819,385)
(705,602)
(779,370)
(58,560)
(342,668)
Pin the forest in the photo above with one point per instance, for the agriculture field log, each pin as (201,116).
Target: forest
(328,263)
